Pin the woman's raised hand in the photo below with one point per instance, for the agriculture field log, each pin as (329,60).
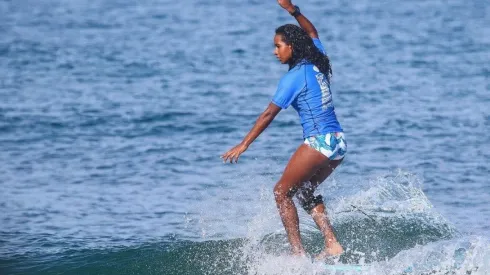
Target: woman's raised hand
(285,4)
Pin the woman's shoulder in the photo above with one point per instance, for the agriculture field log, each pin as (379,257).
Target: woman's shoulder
(293,76)
(294,72)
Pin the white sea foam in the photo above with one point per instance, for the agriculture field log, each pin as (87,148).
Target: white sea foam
(419,240)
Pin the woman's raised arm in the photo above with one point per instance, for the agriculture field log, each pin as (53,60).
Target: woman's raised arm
(302,20)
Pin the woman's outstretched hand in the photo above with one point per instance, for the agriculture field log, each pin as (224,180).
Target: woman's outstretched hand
(234,153)
(260,124)
(285,4)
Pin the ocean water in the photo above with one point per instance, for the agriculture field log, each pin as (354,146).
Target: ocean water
(113,115)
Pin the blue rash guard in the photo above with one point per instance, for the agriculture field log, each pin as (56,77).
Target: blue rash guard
(308,91)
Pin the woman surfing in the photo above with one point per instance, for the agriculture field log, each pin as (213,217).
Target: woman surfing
(306,87)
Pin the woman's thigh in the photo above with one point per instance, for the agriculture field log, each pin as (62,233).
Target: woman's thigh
(323,173)
(306,192)
(302,166)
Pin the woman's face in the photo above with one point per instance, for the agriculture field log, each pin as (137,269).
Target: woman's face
(282,51)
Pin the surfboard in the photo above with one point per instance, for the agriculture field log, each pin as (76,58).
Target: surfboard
(346,267)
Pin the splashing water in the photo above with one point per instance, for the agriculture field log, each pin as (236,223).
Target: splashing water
(389,225)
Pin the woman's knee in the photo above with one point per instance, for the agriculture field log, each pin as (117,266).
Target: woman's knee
(308,200)
(281,192)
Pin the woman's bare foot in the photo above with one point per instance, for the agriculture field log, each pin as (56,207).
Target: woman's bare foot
(299,253)
(334,250)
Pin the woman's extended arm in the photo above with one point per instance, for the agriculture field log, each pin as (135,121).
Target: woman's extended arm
(262,122)
(302,20)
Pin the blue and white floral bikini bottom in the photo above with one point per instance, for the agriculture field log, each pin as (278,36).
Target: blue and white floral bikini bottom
(332,145)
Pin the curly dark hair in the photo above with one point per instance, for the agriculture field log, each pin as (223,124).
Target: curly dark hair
(303,48)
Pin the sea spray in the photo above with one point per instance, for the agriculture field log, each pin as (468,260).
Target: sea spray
(390,216)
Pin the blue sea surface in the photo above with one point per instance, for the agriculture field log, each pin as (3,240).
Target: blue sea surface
(114,114)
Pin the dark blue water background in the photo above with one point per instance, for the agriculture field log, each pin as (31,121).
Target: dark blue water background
(113,115)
